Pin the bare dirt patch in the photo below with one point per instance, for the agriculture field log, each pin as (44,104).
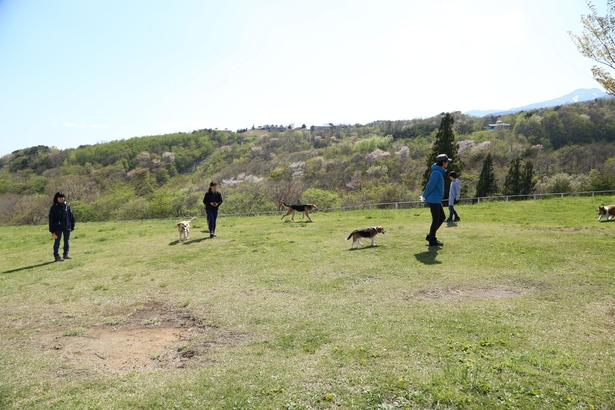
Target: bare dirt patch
(152,336)
(488,293)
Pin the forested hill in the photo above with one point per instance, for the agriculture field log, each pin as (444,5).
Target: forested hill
(571,147)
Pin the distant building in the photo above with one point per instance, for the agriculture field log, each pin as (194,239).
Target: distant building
(268,127)
(321,127)
(499,125)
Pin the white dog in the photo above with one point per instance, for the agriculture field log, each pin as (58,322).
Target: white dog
(184,229)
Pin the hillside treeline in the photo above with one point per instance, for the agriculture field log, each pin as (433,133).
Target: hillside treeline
(570,148)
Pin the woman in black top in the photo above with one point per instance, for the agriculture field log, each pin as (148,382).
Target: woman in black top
(61,224)
(212,201)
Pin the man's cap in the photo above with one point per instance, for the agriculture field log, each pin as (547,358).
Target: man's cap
(212,183)
(443,158)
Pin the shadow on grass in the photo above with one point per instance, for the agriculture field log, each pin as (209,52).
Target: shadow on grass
(364,247)
(189,241)
(28,267)
(429,256)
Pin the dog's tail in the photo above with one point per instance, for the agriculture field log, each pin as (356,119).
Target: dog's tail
(192,219)
(350,236)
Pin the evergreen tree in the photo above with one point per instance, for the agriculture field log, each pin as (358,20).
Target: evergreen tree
(444,143)
(527,178)
(512,183)
(487,183)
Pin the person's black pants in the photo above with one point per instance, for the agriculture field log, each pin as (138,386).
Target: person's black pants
(437,218)
(212,216)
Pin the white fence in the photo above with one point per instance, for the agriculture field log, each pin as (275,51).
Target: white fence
(419,204)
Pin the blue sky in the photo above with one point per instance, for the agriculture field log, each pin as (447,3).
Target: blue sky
(75,72)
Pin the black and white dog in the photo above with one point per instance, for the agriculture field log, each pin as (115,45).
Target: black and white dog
(370,233)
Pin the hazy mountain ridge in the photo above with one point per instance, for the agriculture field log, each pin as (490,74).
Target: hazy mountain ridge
(579,95)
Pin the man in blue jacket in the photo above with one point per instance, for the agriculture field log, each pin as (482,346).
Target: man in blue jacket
(433,194)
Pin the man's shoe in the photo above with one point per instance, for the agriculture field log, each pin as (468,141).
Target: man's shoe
(67,256)
(58,259)
(211,235)
(449,220)
(435,242)
(427,237)
(456,219)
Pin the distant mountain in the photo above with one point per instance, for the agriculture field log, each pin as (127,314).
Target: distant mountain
(580,95)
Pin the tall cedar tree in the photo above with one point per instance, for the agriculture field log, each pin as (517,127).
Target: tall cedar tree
(520,179)
(444,143)
(487,183)
(527,178)
(512,183)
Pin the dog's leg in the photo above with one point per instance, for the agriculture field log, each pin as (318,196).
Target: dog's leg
(308,216)
(293,216)
(373,241)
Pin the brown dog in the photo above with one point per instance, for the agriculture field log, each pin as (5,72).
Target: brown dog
(184,229)
(303,208)
(370,233)
(608,211)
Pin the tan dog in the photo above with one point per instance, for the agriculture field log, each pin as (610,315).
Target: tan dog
(304,208)
(184,229)
(370,233)
(608,211)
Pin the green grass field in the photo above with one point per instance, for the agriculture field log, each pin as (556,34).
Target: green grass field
(517,311)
